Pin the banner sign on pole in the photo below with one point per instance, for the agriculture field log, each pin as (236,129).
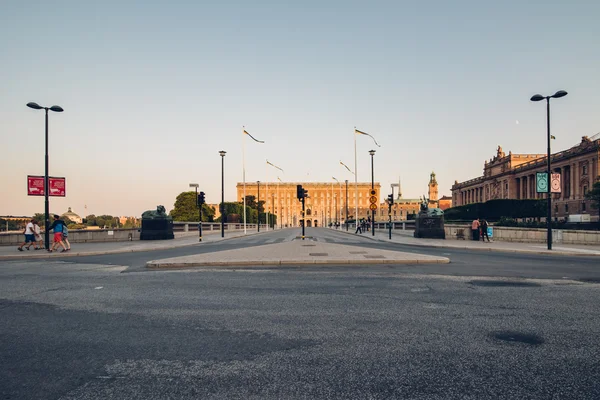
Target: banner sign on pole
(541,182)
(555,183)
(35,186)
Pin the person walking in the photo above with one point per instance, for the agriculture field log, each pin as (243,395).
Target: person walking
(368,223)
(65,235)
(484,230)
(29,236)
(358,227)
(57,227)
(37,232)
(475,229)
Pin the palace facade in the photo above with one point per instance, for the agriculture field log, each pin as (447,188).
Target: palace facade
(326,202)
(513,176)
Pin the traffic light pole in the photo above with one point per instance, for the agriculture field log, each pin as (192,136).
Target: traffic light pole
(303,221)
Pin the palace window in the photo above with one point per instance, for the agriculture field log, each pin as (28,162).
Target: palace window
(585,171)
(566,208)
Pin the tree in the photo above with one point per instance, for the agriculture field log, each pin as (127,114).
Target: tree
(185,209)
(594,196)
(90,220)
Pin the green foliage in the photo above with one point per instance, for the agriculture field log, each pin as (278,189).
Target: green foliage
(132,223)
(494,210)
(186,209)
(511,222)
(594,195)
(76,226)
(12,225)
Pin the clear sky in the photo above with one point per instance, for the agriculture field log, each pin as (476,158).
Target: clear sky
(153,90)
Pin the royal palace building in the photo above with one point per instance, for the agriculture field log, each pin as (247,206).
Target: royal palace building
(513,176)
(326,201)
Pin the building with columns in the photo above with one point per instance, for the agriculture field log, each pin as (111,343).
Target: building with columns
(326,202)
(513,176)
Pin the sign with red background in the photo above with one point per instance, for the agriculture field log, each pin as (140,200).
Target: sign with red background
(35,186)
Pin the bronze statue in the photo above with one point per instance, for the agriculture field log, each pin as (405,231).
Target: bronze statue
(160,213)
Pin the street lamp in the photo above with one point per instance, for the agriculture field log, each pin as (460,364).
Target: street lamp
(36,106)
(346,205)
(195,185)
(539,97)
(372,153)
(222,154)
(258,204)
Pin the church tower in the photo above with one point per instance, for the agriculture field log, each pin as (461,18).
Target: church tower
(433,188)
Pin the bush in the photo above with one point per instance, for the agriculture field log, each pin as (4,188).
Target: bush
(76,226)
(495,210)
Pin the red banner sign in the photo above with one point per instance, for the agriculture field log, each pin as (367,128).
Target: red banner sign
(35,186)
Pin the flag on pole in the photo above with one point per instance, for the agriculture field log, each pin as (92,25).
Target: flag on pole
(356,131)
(349,170)
(273,165)
(253,138)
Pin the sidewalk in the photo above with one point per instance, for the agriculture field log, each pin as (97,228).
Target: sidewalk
(297,252)
(182,239)
(406,237)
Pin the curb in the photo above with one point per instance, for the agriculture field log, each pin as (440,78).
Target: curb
(522,251)
(159,265)
(47,255)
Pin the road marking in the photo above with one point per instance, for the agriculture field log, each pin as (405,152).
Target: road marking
(99,287)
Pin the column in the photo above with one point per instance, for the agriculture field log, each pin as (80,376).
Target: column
(576,178)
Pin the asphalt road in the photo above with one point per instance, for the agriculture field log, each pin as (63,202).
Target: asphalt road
(106,328)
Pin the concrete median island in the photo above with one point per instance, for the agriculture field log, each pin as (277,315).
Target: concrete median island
(297,252)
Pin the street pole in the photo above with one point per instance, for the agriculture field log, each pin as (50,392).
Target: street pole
(539,97)
(258,204)
(244,172)
(46,191)
(372,153)
(346,205)
(222,154)
(549,216)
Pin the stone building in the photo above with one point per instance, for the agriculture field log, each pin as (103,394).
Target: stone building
(326,202)
(72,216)
(513,176)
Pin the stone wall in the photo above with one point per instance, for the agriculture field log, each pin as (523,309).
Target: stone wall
(527,235)
(80,236)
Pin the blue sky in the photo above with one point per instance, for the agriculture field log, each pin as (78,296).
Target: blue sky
(153,90)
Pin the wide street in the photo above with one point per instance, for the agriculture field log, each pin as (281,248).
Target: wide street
(488,325)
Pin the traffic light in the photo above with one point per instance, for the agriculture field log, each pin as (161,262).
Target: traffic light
(305,193)
(391,198)
(299,192)
(201,199)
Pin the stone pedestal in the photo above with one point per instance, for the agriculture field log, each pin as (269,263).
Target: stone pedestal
(429,226)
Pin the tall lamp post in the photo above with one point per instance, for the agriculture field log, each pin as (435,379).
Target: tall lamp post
(372,153)
(258,204)
(346,205)
(36,106)
(539,97)
(222,154)
(195,185)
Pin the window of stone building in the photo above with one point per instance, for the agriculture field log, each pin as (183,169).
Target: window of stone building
(556,208)
(584,169)
(395,212)
(566,208)
(584,190)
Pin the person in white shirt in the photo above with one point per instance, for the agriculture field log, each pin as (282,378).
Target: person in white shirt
(29,236)
(37,232)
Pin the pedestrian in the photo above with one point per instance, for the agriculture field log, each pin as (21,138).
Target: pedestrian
(358,226)
(57,227)
(484,230)
(65,234)
(475,229)
(37,231)
(368,223)
(29,233)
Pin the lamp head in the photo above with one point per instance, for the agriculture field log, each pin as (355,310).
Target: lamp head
(57,109)
(372,152)
(537,97)
(559,94)
(35,106)
(222,153)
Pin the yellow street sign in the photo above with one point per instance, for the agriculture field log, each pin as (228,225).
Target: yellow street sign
(373,199)
(373,192)
(373,207)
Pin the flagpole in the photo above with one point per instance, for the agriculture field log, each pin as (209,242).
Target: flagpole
(267,198)
(355,183)
(244,172)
